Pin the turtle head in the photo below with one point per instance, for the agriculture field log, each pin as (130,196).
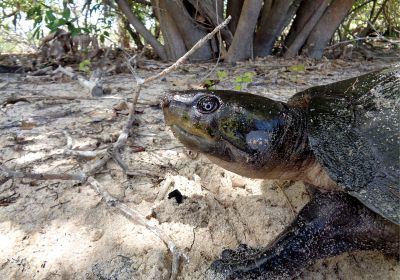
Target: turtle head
(239,131)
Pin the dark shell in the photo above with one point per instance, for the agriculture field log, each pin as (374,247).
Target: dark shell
(354,132)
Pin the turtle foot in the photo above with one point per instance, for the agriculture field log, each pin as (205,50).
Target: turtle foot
(331,224)
(234,264)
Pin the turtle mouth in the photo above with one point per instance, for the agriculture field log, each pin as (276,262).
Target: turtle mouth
(193,141)
(181,132)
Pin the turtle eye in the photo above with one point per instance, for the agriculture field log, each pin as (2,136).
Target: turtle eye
(208,104)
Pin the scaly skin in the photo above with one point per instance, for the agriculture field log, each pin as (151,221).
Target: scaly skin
(261,138)
(329,225)
(245,135)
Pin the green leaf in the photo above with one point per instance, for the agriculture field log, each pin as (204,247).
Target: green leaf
(248,74)
(72,20)
(238,87)
(238,79)
(222,74)
(297,68)
(50,16)
(38,20)
(53,26)
(66,14)
(73,30)
(37,10)
(84,65)
(36,32)
(208,84)
(33,12)
(247,79)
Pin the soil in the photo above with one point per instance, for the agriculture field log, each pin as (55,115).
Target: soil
(56,229)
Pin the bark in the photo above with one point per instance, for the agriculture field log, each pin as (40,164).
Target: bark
(275,16)
(326,27)
(190,31)
(212,11)
(306,19)
(135,36)
(123,37)
(141,29)
(303,15)
(173,42)
(265,11)
(291,13)
(234,8)
(220,7)
(241,47)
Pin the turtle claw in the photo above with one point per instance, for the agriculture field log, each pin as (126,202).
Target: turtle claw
(234,264)
(219,270)
(332,223)
(243,251)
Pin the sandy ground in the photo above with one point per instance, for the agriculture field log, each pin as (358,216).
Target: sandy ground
(63,230)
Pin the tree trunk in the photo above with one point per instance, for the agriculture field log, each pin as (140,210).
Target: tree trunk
(256,25)
(123,37)
(241,47)
(135,22)
(135,36)
(273,20)
(306,10)
(212,11)
(234,8)
(174,45)
(326,27)
(303,33)
(190,31)
(220,7)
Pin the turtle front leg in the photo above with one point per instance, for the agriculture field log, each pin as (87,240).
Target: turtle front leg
(330,224)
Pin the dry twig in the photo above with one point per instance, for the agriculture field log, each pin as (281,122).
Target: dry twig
(176,255)
(282,186)
(138,218)
(93,84)
(79,176)
(89,171)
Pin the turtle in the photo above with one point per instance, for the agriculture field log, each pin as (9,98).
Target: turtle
(342,138)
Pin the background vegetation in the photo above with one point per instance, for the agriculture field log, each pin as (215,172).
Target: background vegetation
(170,27)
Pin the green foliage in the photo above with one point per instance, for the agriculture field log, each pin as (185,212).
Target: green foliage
(6,46)
(209,84)
(99,17)
(379,17)
(84,66)
(51,15)
(10,10)
(298,68)
(54,19)
(222,75)
(105,34)
(243,79)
